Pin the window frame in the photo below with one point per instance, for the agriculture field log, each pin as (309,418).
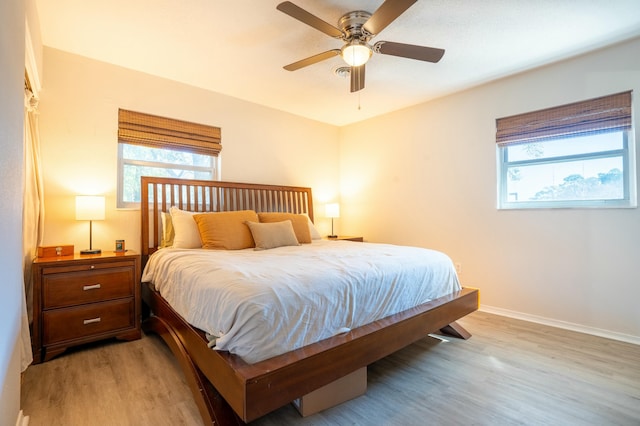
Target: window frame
(122,162)
(627,153)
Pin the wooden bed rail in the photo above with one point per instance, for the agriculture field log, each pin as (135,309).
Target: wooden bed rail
(250,391)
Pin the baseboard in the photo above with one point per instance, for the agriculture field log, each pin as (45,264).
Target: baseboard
(562,324)
(22,419)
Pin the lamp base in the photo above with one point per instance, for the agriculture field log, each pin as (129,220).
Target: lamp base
(90,251)
(332,236)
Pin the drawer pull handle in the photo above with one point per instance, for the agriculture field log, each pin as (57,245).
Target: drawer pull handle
(91,287)
(91,321)
(92,267)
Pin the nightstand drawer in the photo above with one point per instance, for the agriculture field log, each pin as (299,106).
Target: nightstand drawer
(73,323)
(73,288)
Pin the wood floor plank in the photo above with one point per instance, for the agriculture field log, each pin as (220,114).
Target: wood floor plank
(509,372)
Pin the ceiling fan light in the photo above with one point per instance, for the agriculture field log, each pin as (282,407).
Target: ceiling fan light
(356,53)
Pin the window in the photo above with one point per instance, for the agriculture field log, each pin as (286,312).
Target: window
(149,145)
(577,155)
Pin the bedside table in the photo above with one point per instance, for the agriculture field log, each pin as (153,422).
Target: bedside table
(83,298)
(345,238)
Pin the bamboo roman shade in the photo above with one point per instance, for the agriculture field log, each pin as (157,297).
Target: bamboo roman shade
(159,132)
(607,113)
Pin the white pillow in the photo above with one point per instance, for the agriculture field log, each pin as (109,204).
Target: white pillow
(186,234)
(315,235)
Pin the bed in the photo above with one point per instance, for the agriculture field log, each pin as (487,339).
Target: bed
(226,387)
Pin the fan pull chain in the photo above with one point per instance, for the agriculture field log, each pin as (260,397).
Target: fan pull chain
(359,107)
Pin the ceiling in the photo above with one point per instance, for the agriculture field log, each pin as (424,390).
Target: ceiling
(239,47)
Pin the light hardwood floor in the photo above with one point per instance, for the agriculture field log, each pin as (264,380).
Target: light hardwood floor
(509,372)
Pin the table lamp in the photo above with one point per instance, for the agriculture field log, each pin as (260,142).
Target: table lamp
(90,207)
(332,210)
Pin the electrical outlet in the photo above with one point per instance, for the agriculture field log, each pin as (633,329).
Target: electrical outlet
(458,268)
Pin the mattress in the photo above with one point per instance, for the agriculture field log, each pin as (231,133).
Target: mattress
(259,304)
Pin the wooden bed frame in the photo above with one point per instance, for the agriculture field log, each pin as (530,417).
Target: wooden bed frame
(225,388)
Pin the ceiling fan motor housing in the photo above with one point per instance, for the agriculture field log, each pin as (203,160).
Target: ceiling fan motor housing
(352,24)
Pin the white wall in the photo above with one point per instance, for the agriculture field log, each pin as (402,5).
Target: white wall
(426,176)
(79,122)
(12,18)
(423,176)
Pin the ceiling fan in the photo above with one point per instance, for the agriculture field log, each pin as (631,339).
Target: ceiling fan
(356,29)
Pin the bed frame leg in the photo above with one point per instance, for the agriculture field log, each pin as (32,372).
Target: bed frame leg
(213,409)
(455,330)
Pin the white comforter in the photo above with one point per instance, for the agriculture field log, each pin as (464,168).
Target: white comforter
(259,304)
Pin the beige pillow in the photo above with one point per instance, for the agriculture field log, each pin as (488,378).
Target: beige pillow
(185,230)
(272,235)
(226,230)
(300,223)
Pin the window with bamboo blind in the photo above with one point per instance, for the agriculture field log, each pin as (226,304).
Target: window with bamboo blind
(151,145)
(576,155)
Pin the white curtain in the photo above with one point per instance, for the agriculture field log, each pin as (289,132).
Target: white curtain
(32,215)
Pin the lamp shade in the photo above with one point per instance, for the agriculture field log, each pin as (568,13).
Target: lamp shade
(332,210)
(89,207)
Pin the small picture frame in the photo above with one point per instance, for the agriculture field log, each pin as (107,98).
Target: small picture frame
(120,246)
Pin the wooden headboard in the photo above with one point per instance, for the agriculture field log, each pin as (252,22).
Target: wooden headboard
(159,194)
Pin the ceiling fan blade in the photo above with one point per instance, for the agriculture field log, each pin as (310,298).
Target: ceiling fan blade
(303,16)
(421,53)
(357,78)
(386,14)
(312,60)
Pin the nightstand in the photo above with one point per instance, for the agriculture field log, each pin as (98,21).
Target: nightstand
(345,238)
(83,298)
